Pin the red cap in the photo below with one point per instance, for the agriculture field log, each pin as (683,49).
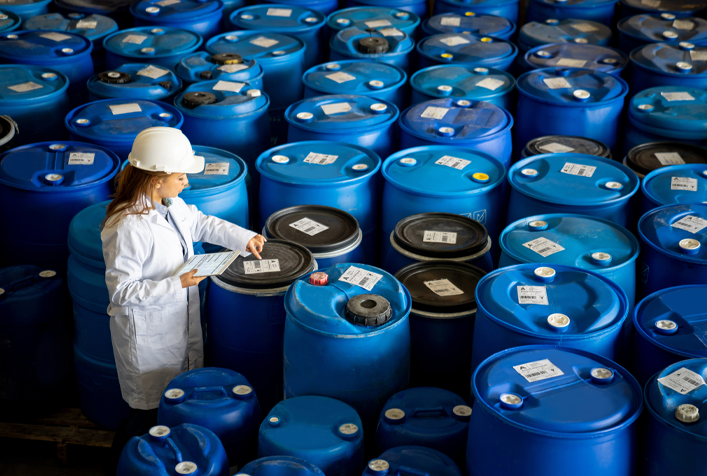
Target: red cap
(318,279)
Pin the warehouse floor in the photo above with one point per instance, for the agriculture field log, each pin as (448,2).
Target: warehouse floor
(38,458)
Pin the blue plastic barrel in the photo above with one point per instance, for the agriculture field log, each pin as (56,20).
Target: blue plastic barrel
(347,337)
(507,9)
(541,410)
(230,6)
(220,400)
(458,123)
(280,466)
(26,9)
(114,123)
(644,159)
(9,21)
(441,323)
(575,55)
(572,183)
(600,11)
(324,6)
(674,247)
(376,17)
(679,8)
(388,45)
(640,30)
(418,7)
(200,16)
(202,66)
(326,432)
(471,24)
(675,184)
(118,10)
(135,81)
(362,78)
(561,144)
(466,49)
(569,30)
(660,64)
(162,46)
(251,342)
(674,399)
(572,101)
(359,120)
(412,460)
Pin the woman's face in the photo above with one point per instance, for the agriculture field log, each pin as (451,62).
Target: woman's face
(172,185)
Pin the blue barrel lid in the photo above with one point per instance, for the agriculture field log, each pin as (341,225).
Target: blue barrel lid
(462,82)
(223,169)
(576,3)
(416,460)
(672,319)
(564,31)
(683,60)
(470,24)
(152,42)
(341,113)
(133,80)
(20,84)
(57,166)
(676,392)
(570,393)
(677,231)
(674,6)
(443,171)
(346,42)
(35,282)
(9,21)
(408,413)
(120,120)
(573,55)
(263,46)
(677,184)
(202,66)
(212,387)
(333,308)
(307,163)
(354,77)
(475,3)
(221,99)
(85,232)
(463,48)
(455,120)
(93,27)
(48,47)
(158,11)
(280,18)
(571,86)
(664,28)
(673,108)
(280,466)
(373,17)
(573,179)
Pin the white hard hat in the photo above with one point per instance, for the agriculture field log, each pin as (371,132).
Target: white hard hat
(164,149)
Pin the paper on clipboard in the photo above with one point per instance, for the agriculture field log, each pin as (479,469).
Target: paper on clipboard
(212,264)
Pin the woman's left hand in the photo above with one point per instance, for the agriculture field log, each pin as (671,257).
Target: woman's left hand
(255,245)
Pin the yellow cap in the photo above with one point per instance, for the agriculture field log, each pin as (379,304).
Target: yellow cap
(486,39)
(470,14)
(481,176)
(447,55)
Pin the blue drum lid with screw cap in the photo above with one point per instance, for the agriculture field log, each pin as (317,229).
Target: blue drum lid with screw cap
(664,28)
(354,77)
(38,45)
(345,40)
(373,17)
(261,46)
(684,59)
(675,6)
(26,82)
(160,41)
(678,231)
(279,18)
(148,81)
(670,108)
(564,31)
(470,24)
(465,48)
(176,11)
(231,169)
(220,99)
(571,86)
(573,55)
(92,27)
(341,113)
(677,184)
(459,81)
(201,66)
(279,466)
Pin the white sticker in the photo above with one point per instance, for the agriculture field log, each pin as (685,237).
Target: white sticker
(573,63)
(336,108)
(543,247)
(669,158)
(264,42)
(166,3)
(683,25)
(340,77)
(532,295)
(152,72)
(584,27)
(377,23)
(453,162)
(691,223)
(451,21)
(217,168)
(682,381)
(578,169)
(434,112)
(232,68)
(360,277)
(228,86)
(124,108)
(135,39)
(390,32)
(443,287)
(308,226)
(454,41)
(536,371)
(678,96)
(683,183)
(261,266)
(490,83)
(439,237)
(651,3)
(557,83)
(320,159)
(698,55)
(87,24)
(81,158)
(24,87)
(555,148)
(279,12)
(55,36)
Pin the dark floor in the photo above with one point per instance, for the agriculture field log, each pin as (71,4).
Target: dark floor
(35,458)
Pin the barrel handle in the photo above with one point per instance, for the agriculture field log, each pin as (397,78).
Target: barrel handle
(16,285)
(404,470)
(440,410)
(216,388)
(177,453)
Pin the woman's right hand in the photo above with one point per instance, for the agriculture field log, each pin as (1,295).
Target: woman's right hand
(188,279)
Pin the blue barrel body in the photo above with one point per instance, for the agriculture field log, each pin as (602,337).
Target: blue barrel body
(362,78)
(220,400)
(673,243)
(600,11)
(668,437)
(678,8)
(675,184)
(641,30)
(376,17)
(324,6)
(413,460)
(143,82)
(114,123)
(559,144)
(572,183)
(26,9)
(570,30)
(400,53)
(659,64)
(326,432)
(161,46)
(477,25)
(118,10)
(200,16)
(202,66)
(573,55)
(563,422)
(418,7)
(466,49)
(280,466)
(359,120)
(9,21)
(574,102)
(464,82)
(507,9)
(326,354)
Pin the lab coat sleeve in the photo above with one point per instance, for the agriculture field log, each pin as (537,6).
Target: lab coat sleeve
(218,232)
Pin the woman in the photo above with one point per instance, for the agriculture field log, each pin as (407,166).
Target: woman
(147,236)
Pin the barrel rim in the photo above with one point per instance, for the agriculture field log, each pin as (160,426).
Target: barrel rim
(648,215)
(294,30)
(124,54)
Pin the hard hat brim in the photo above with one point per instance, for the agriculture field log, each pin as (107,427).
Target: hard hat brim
(196,166)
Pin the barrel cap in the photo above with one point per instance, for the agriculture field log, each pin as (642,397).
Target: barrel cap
(156,11)
(569,30)
(478,25)
(645,158)
(651,28)
(165,41)
(43,48)
(413,459)
(339,114)
(368,310)
(456,235)
(676,184)
(94,27)
(354,77)
(292,19)
(468,49)
(665,227)
(561,144)
(468,82)
(671,111)
(670,60)
(289,463)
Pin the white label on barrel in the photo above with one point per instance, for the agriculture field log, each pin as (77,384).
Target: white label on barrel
(124,108)
(391,32)
(439,237)
(261,266)
(434,112)
(573,63)
(232,68)
(320,159)
(279,12)
(135,39)
(453,162)
(217,168)
(557,83)
(691,223)
(578,169)
(683,25)
(87,24)
(683,183)
(55,36)
(340,77)
(228,86)
(24,87)
(555,148)
(264,42)
(532,295)
(678,96)
(360,277)
(336,108)
(543,247)
(698,55)
(166,3)
(443,287)
(539,370)
(81,158)
(669,158)
(584,27)
(308,226)
(454,41)
(377,23)
(682,381)
(152,72)
(490,83)
(451,21)
(651,3)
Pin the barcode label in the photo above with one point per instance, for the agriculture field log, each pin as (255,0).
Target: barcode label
(651,3)
(391,32)
(443,287)
(124,108)
(682,381)
(264,42)
(217,168)
(434,112)
(340,77)
(377,23)
(532,295)
(677,96)
(55,36)
(490,83)
(25,87)
(683,25)
(279,12)
(134,39)
(543,247)
(584,27)
(310,227)
(337,108)
(361,277)
(228,86)
(539,370)
(573,63)
(261,266)
(320,159)
(669,158)
(556,83)
(166,3)
(691,223)
(439,237)
(232,68)
(152,72)
(683,183)
(86,24)
(451,21)
(555,148)
(453,162)
(81,158)
(696,55)
(454,41)
(578,169)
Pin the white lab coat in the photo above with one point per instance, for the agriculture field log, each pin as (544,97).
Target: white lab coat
(155,335)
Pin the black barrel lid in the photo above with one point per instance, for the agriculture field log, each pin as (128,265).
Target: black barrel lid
(293,260)
(560,144)
(642,159)
(373,45)
(227,58)
(441,286)
(198,98)
(341,232)
(114,77)
(471,236)
(8,133)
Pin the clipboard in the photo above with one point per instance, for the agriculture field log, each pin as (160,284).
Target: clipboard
(212,264)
